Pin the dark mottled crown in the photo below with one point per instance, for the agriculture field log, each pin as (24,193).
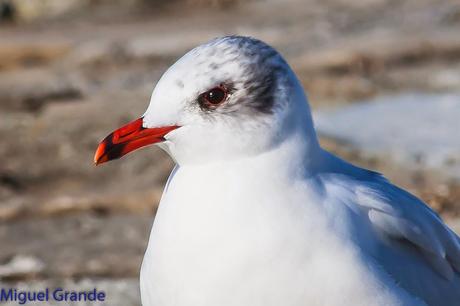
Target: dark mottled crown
(258,72)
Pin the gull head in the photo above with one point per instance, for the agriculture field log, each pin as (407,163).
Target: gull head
(230,98)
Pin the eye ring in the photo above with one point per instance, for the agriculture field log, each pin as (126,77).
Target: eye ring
(214,97)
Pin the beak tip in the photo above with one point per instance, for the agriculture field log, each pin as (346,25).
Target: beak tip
(99,159)
(99,155)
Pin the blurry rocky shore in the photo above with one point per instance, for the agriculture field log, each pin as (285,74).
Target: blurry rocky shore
(383,78)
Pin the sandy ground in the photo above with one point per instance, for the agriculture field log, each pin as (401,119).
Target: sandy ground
(66,82)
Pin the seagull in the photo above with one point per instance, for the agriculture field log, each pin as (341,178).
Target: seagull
(256,213)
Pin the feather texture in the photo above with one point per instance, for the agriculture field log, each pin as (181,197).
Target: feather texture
(400,215)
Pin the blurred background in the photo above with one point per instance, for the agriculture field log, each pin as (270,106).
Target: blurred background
(383,79)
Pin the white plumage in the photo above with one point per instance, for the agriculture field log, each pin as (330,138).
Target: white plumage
(256,213)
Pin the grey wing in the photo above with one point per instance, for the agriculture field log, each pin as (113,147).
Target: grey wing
(418,249)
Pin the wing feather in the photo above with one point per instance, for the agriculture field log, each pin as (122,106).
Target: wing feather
(399,215)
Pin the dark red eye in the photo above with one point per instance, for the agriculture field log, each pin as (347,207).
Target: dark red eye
(213,97)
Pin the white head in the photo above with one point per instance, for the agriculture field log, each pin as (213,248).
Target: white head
(230,98)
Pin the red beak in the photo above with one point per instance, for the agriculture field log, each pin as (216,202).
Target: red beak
(129,138)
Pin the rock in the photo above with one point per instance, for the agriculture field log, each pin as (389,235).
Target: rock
(85,244)
(20,266)
(20,54)
(31,89)
(28,10)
